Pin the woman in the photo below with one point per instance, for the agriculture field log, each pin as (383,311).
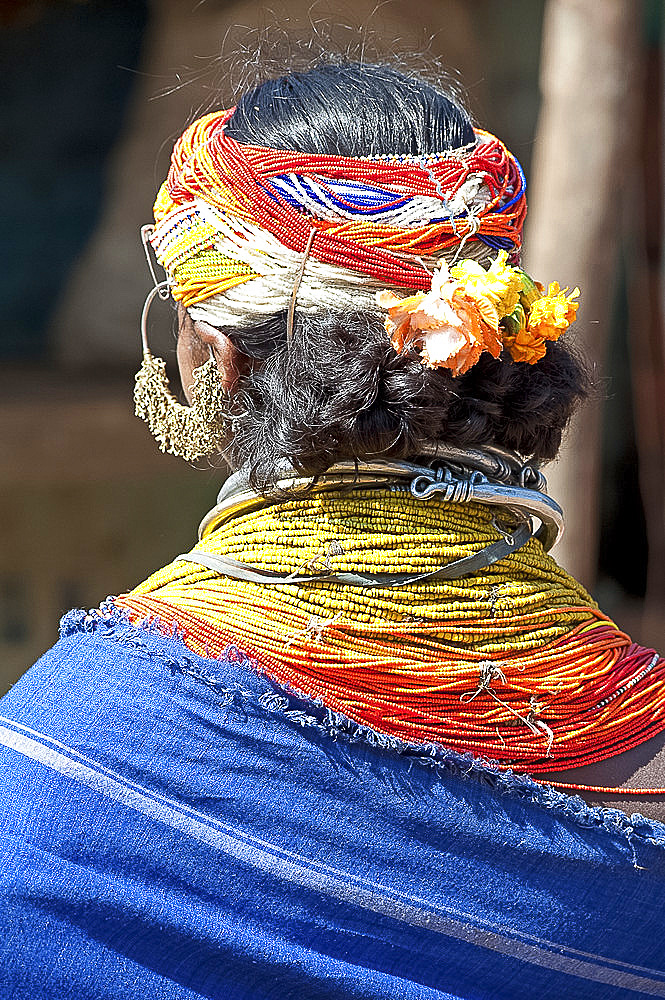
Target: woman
(263,772)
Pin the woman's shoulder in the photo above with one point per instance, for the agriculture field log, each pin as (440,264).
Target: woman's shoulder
(106,676)
(135,699)
(148,791)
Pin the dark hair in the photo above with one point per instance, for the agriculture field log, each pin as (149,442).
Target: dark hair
(340,391)
(352,109)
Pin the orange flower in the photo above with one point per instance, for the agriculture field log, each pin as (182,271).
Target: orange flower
(524,346)
(445,324)
(550,315)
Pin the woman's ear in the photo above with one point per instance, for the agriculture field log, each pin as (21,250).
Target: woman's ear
(232,363)
(196,339)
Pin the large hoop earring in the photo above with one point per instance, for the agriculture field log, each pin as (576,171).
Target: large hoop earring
(189,432)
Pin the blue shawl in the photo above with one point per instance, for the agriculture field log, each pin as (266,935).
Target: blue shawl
(179,827)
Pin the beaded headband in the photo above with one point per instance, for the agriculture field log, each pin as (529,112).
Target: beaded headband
(344,229)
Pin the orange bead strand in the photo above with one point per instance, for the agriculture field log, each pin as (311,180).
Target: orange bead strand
(515,664)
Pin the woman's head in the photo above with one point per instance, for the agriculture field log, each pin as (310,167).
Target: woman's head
(316,378)
(351,110)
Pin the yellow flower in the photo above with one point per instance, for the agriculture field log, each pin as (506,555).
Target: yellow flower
(550,315)
(546,319)
(500,284)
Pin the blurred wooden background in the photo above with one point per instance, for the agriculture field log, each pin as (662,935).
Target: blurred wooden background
(98,90)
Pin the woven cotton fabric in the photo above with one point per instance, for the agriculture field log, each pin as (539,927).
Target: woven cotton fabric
(179,828)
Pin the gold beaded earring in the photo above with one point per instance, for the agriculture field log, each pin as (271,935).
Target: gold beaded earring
(189,432)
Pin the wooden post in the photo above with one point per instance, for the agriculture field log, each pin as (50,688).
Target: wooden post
(644,225)
(585,148)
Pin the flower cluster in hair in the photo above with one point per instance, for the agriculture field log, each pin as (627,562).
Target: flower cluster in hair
(469,310)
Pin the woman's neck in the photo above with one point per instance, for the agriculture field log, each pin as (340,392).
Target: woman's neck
(373,532)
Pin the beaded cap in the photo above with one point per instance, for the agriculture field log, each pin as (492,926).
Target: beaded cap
(230,213)
(343,233)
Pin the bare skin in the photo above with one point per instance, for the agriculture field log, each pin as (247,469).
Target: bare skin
(642,767)
(195,342)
